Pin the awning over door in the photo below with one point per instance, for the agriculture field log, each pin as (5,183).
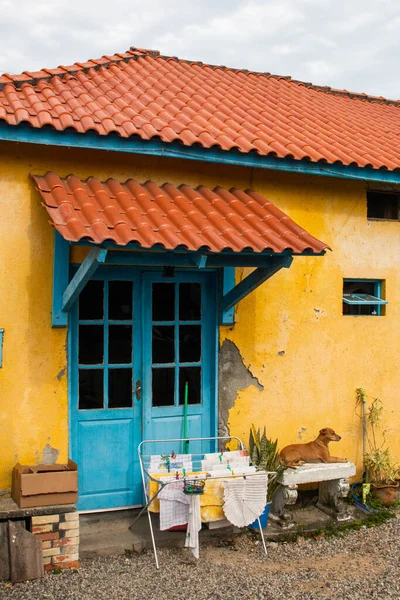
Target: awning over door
(168,226)
(171,217)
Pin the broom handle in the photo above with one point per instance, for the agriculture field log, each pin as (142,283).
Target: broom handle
(185,408)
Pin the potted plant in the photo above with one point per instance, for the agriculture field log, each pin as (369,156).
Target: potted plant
(382,471)
(264,456)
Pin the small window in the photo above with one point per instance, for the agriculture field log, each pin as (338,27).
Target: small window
(363,297)
(384,206)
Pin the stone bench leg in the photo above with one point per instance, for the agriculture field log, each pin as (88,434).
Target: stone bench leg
(284,495)
(330,499)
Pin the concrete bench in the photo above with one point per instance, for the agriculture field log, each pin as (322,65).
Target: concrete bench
(333,482)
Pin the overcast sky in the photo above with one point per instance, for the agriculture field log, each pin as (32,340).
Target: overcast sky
(351,44)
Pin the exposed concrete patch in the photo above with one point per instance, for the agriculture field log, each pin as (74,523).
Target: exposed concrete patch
(319,313)
(61,373)
(300,433)
(232,377)
(49,455)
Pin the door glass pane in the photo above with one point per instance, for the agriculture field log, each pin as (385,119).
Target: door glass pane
(91,388)
(120,300)
(91,345)
(163,387)
(192,375)
(163,301)
(189,343)
(91,301)
(163,344)
(120,344)
(189,301)
(119,388)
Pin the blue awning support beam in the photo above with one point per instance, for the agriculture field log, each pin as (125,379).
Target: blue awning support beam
(95,257)
(227,284)
(153,258)
(200,260)
(60,280)
(252,281)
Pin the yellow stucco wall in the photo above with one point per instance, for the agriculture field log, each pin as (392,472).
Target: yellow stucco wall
(306,355)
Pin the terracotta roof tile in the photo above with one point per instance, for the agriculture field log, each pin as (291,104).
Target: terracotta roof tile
(172,217)
(139,92)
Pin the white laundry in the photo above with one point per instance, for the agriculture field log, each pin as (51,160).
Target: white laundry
(244,499)
(174,506)
(194,525)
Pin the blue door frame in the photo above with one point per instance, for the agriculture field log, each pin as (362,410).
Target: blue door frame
(103,441)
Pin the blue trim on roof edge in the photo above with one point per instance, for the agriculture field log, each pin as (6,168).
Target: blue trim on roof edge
(155,147)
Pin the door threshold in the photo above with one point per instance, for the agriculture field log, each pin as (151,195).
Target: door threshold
(102,510)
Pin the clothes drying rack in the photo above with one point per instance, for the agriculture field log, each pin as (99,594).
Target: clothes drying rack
(185,442)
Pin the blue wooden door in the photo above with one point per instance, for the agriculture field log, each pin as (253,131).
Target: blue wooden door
(179,346)
(135,340)
(105,405)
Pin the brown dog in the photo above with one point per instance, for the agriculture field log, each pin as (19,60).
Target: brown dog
(317,451)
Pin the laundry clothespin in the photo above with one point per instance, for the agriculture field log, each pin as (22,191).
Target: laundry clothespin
(173,455)
(184,472)
(177,475)
(220,457)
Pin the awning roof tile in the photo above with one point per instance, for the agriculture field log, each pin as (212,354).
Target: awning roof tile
(173,217)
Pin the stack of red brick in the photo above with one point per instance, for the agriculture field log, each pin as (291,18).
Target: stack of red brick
(60,539)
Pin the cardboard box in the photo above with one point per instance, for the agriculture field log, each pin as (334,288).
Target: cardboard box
(45,485)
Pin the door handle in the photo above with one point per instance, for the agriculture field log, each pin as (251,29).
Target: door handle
(138,389)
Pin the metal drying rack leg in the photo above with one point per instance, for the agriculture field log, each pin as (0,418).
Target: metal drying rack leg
(148,502)
(152,538)
(262,536)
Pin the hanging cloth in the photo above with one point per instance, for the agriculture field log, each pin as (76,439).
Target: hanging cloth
(174,506)
(245,499)
(194,525)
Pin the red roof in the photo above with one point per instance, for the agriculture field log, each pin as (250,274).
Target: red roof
(142,93)
(149,215)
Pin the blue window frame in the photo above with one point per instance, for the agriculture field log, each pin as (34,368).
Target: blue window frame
(177,342)
(363,297)
(105,345)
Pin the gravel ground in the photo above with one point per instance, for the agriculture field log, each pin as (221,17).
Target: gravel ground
(360,565)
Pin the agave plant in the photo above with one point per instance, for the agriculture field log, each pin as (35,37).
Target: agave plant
(264,456)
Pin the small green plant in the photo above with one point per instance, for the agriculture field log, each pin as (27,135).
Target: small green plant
(265,457)
(378,459)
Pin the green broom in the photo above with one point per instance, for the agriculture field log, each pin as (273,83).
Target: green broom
(185,417)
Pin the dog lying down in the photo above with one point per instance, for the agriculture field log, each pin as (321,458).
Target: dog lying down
(317,451)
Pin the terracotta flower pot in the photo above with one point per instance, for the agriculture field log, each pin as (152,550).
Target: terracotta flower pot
(387,494)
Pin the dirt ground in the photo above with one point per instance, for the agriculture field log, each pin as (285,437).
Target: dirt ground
(362,564)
